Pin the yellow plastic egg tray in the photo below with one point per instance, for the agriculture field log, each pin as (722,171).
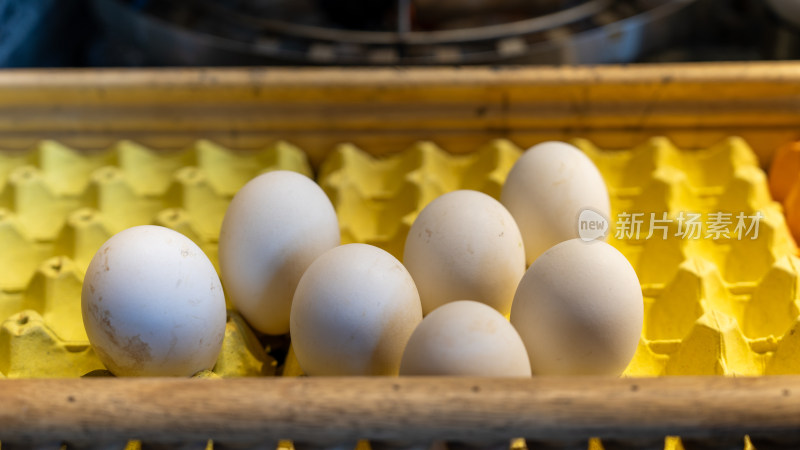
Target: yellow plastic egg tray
(58,205)
(712,307)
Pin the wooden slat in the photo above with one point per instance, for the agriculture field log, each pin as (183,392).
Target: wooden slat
(688,82)
(388,109)
(333,410)
(351,103)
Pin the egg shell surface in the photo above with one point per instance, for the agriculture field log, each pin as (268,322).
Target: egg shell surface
(465,338)
(153,305)
(353,312)
(465,245)
(275,226)
(546,190)
(579,310)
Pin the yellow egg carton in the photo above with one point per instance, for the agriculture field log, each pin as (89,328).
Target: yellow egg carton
(715,303)
(712,306)
(58,205)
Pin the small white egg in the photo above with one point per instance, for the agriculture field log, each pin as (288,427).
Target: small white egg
(465,244)
(153,304)
(579,310)
(546,191)
(275,226)
(353,312)
(465,338)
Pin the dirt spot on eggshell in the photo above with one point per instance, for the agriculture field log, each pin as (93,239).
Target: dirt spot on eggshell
(103,319)
(136,350)
(483,326)
(105,258)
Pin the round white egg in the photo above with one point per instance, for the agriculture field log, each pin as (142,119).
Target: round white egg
(465,245)
(275,226)
(579,310)
(546,191)
(465,338)
(353,312)
(153,304)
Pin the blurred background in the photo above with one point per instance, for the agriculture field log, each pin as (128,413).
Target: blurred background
(97,33)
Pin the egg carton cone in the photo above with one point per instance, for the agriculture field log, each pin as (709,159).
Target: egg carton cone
(377,199)
(31,348)
(59,201)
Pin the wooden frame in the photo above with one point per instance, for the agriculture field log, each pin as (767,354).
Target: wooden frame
(329,411)
(385,110)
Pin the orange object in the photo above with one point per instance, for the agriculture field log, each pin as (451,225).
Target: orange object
(791,207)
(784,183)
(784,171)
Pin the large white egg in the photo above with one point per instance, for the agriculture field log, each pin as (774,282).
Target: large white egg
(546,191)
(275,226)
(353,312)
(465,245)
(579,310)
(465,338)
(153,304)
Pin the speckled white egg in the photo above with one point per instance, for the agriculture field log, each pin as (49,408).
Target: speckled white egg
(465,245)
(579,310)
(465,338)
(275,226)
(547,189)
(353,312)
(153,304)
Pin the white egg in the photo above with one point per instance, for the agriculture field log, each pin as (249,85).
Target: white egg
(465,338)
(465,244)
(546,191)
(153,304)
(353,312)
(275,226)
(579,310)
